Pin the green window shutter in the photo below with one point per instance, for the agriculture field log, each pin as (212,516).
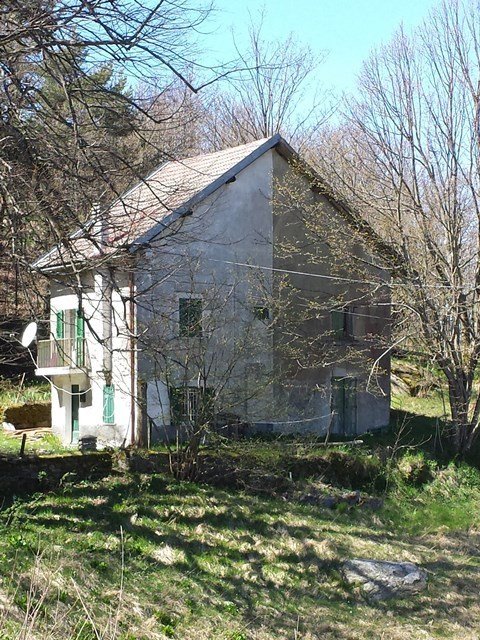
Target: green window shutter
(79,338)
(338,323)
(60,325)
(79,325)
(109,404)
(190,317)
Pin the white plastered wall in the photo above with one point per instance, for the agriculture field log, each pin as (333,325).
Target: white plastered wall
(91,381)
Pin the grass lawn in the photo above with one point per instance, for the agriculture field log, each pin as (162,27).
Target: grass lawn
(47,443)
(145,557)
(433,406)
(12,394)
(148,557)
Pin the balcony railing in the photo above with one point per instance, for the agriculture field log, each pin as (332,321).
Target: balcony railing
(68,352)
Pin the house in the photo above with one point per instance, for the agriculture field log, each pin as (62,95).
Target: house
(230,287)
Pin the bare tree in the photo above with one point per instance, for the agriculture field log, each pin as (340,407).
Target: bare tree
(408,157)
(277,90)
(74,129)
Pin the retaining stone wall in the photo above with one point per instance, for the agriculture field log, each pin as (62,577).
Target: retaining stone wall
(43,473)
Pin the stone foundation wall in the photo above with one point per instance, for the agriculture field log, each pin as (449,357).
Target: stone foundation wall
(33,473)
(43,473)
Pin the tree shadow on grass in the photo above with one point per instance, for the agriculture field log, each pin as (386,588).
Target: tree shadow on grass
(229,548)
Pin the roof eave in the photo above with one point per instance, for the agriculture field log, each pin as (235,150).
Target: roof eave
(209,190)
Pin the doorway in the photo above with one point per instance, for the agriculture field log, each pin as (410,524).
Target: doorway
(75,403)
(344,405)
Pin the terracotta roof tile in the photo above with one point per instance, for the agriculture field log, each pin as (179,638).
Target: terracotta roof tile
(145,205)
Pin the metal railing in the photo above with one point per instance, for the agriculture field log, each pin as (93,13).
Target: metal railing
(67,352)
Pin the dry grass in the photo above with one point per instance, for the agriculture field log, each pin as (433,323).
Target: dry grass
(204,564)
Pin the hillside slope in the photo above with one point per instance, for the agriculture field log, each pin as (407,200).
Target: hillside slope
(147,557)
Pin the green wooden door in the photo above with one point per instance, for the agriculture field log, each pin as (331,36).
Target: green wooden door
(350,412)
(338,405)
(75,412)
(344,405)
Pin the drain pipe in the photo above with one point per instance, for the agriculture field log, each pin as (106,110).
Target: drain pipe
(107,289)
(133,358)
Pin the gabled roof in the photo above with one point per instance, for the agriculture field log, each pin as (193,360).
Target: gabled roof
(144,211)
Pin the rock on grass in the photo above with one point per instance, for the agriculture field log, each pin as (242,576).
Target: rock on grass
(381,580)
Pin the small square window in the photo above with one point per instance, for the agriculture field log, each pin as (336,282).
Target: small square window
(190,317)
(261,313)
(190,405)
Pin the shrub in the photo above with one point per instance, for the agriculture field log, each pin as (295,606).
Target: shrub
(414,469)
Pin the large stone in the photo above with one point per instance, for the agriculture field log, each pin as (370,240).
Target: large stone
(380,580)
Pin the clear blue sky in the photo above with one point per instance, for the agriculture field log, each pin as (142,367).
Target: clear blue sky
(346,29)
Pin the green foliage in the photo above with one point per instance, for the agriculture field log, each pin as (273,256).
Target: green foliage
(413,468)
(15,394)
(449,502)
(46,444)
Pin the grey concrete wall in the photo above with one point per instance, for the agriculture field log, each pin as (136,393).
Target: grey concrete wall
(207,256)
(342,270)
(248,361)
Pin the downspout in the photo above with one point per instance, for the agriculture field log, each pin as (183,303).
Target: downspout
(132,357)
(100,234)
(107,289)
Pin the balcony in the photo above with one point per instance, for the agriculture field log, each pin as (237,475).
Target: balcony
(62,356)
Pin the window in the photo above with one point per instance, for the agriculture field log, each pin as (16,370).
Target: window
(69,323)
(190,317)
(342,322)
(190,405)
(261,312)
(70,330)
(109,404)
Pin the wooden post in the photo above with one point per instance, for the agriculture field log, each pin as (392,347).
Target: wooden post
(22,446)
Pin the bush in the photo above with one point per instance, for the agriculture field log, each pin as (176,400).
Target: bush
(352,469)
(414,469)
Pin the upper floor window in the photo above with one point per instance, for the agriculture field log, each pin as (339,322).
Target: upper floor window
(342,322)
(69,323)
(261,312)
(190,317)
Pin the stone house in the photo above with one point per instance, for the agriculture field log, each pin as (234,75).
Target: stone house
(197,292)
